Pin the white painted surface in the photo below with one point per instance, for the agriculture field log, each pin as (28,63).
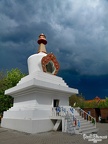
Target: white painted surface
(34,62)
(33,99)
(43,77)
(64,124)
(29,126)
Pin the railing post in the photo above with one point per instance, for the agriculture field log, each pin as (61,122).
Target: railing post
(82,114)
(95,122)
(78,123)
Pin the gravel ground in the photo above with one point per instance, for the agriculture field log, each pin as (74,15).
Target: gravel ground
(8,136)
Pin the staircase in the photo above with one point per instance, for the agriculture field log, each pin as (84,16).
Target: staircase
(76,121)
(86,126)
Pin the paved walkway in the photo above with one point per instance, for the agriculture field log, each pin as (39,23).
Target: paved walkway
(8,136)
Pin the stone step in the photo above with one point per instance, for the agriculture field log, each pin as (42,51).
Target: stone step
(86,128)
(95,130)
(85,123)
(71,132)
(88,125)
(70,126)
(81,119)
(78,116)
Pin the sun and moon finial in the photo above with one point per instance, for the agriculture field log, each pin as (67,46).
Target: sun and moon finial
(49,62)
(42,42)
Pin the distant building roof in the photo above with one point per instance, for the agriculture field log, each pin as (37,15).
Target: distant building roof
(97,99)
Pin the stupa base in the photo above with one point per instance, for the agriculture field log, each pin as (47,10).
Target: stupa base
(29,126)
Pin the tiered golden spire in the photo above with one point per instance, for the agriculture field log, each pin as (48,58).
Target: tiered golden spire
(42,42)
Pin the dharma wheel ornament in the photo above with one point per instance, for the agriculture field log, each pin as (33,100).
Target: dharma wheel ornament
(50,64)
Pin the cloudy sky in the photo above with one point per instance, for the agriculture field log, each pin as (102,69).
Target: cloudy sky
(76,31)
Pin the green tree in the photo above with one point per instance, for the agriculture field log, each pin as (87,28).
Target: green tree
(106,102)
(103,104)
(76,100)
(2,82)
(13,77)
(8,79)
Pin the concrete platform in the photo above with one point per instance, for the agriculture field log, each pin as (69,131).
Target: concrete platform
(8,136)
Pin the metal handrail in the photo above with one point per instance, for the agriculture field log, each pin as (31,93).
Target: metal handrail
(88,115)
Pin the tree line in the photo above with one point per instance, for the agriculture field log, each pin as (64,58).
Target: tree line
(79,101)
(8,79)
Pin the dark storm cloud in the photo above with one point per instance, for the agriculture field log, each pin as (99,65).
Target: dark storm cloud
(76,31)
(89,86)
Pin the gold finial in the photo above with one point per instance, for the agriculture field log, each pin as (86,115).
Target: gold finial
(42,42)
(42,39)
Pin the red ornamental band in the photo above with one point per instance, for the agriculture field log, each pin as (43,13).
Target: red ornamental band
(48,58)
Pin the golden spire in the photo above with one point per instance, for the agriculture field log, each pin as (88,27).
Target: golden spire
(42,42)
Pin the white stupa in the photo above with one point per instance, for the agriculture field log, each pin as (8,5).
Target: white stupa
(36,94)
